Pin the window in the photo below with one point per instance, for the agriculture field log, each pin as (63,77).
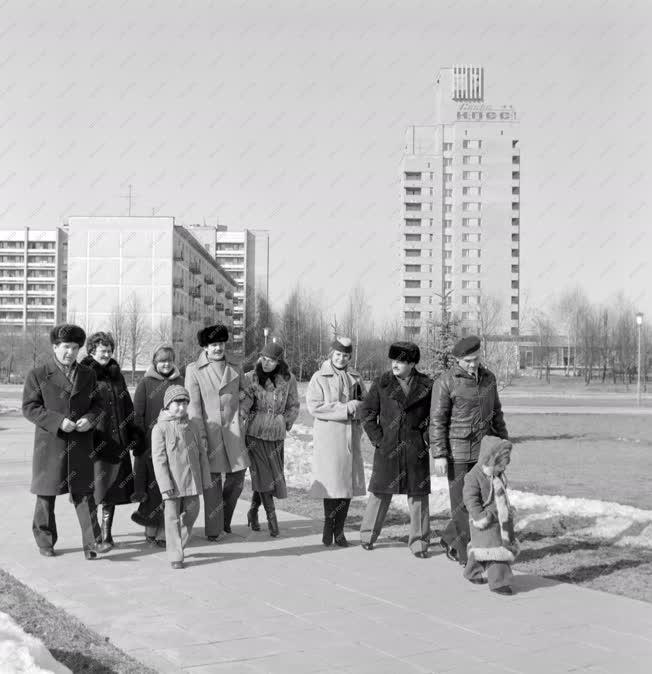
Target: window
(470,237)
(514,299)
(412,207)
(430,283)
(516,175)
(448,224)
(516,222)
(448,208)
(515,205)
(412,331)
(448,193)
(470,299)
(412,222)
(472,144)
(412,299)
(471,252)
(413,175)
(472,175)
(413,237)
(471,159)
(448,147)
(472,191)
(514,252)
(412,252)
(470,285)
(430,221)
(514,269)
(448,238)
(469,315)
(448,254)
(515,315)
(412,284)
(514,237)
(515,285)
(515,159)
(40,245)
(470,268)
(412,190)
(412,315)
(448,285)
(448,269)
(516,190)
(470,205)
(429,237)
(514,143)
(448,177)
(448,161)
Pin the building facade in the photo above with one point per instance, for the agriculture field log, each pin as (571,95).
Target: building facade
(244,254)
(460,203)
(33,271)
(123,267)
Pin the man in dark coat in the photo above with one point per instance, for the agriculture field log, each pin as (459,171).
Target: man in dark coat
(395,417)
(60,398)
(465,408)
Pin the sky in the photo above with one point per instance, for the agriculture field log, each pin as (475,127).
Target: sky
(289,116)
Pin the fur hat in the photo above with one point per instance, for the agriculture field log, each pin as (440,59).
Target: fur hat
(66,332)
(404,351)
(175,393)
(466,346)
(492,450)
(272,350)
(343,344)
(212,334)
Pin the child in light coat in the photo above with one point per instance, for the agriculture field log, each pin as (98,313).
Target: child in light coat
(493,547)
(181,469)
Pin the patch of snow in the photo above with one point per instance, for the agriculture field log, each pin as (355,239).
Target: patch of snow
(21,652)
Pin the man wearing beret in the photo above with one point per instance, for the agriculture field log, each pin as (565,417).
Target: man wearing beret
(465,408)
(395,417)
(60,399)
(219,399)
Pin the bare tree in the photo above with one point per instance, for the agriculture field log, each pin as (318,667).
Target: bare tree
(544,330)
(36,342)
(489,308)
(136,332)
(163,331)
(118,328)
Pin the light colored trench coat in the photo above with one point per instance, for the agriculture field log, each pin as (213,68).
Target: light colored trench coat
(218,406)
(337,467)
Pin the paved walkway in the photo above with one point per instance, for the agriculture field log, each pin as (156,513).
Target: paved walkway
(257,605)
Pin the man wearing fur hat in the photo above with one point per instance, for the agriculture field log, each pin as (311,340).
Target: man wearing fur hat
(395,417)
(219,398)
(60,398)
(465,408)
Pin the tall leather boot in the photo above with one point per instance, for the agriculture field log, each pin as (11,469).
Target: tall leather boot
(270,510)
(341,511)
(327,535)
(107,522)
(252,514)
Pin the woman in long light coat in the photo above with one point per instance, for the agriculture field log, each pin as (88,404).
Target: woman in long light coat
(334,394)
(219,399)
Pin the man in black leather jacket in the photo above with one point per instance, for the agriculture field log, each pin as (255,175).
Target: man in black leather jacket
(465,407)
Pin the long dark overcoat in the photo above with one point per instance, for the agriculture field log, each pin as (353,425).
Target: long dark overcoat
(62,462)
(398,427)
(114,436)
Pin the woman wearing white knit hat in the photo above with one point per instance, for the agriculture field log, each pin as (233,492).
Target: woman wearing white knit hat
(334,394)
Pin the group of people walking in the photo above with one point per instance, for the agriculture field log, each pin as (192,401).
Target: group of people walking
(196,436)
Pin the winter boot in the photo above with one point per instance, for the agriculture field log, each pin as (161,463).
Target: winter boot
(327,536)
(107,522)
(341,511)
(252,514)
(270,510)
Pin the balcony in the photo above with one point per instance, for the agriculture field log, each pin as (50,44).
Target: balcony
(195,292)
(194,268)
(208,301)
(228,312)
(219,288)
(209,281)
(177,283)
(178,257)
(193,316)
(229,295)
(178,312)
(219,306)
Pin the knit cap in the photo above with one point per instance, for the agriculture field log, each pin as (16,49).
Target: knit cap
(175,393)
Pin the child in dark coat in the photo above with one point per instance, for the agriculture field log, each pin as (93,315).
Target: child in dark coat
(493,547)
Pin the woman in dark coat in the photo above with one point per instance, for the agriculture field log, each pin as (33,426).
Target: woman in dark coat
(275,408)
(148,402)
(395,416)
(116,433)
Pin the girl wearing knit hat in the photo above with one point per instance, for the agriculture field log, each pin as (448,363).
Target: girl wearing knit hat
(275,408)
(148,402)
(334,394)
(181,469)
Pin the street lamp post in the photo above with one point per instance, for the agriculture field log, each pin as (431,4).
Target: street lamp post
(266,333)
(639,325)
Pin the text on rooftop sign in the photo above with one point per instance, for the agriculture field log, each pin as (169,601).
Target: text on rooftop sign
(485,114)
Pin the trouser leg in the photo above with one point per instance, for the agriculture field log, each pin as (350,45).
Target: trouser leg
(474,570)
(233,485)
(213,507)
(87,515)
(456,533)
(374,517)
(171,516)
(419,537)
(44,524)
(499,574)
(341,511)
(189,510)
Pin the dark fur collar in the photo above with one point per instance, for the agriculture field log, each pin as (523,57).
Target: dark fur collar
(421,387)
(109,372)
(281,371)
